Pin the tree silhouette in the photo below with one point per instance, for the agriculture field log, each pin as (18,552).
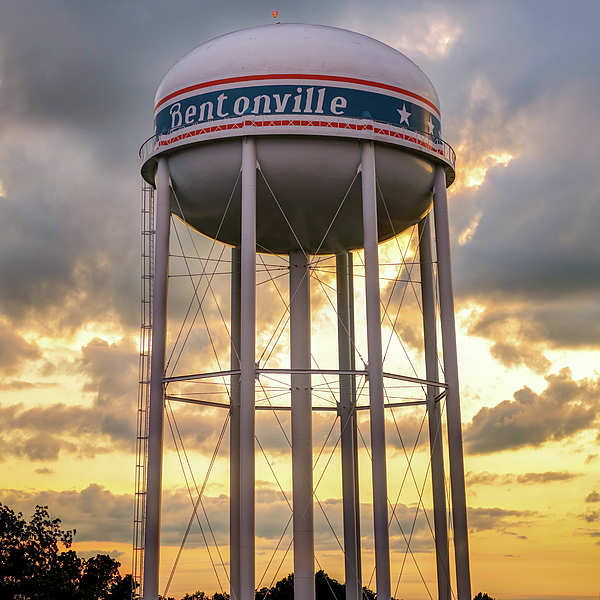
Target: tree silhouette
(33,567)
(326,588)
(481,596)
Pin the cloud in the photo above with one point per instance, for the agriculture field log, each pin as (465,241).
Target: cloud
(590,458)
(531,248)
(547,477)
(592,516)
(44,432)
(44,471)
(111,370)
(542,263)
(93,553)
(18,385)
(486,478)
(14,351)
(95,512)
(498,519)
(65,258)
(593,496)
(515,355)
(568,407)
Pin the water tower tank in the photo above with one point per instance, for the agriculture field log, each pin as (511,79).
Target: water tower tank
(309,94)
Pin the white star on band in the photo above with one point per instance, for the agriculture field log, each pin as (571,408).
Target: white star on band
(404,114)
(430,125)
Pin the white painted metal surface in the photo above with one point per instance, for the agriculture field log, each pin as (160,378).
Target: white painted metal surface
(300,109)
(156,417)
(234,425)
(348,441)
(302,447)
(455,445)
(434,410)
(296,47)
(375,368)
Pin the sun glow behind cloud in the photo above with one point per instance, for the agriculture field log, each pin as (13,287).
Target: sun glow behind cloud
(475,173)
(432,38)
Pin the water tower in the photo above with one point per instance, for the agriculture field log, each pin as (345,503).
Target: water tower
(331,142)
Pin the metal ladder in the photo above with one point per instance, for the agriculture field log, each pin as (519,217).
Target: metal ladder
(141,452)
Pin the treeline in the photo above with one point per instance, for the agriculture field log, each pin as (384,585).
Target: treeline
(326,588)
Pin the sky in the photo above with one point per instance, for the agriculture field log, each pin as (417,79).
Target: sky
(519,86)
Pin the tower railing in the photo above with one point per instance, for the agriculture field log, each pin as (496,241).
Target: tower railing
(419,139)
(147,294)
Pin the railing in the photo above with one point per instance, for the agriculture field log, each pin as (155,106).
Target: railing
(419,138)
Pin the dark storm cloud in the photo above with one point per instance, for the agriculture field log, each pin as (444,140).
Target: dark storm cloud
(76,102)
(505,88)
(535,248)
(90,71)
(567,406)
(65,252)
(79,80)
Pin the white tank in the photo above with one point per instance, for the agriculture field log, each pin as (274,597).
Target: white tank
(309,94)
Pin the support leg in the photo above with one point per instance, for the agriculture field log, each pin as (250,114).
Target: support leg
(433,410)
(346,411)
(375,370)
(234,425)
(304,545)
(354,421)
(156,418)
(248,370)
(455,446)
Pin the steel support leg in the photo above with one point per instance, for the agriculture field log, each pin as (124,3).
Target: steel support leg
(156,417)
(234,425)
(302,475)
(248,369)
(354,421)
(347,413)
(455,446)
(375,370)
(433,409)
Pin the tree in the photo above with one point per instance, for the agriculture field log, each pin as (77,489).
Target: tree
(282,590)
(481,596)
(326,588)
(202,596)
(36,563)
